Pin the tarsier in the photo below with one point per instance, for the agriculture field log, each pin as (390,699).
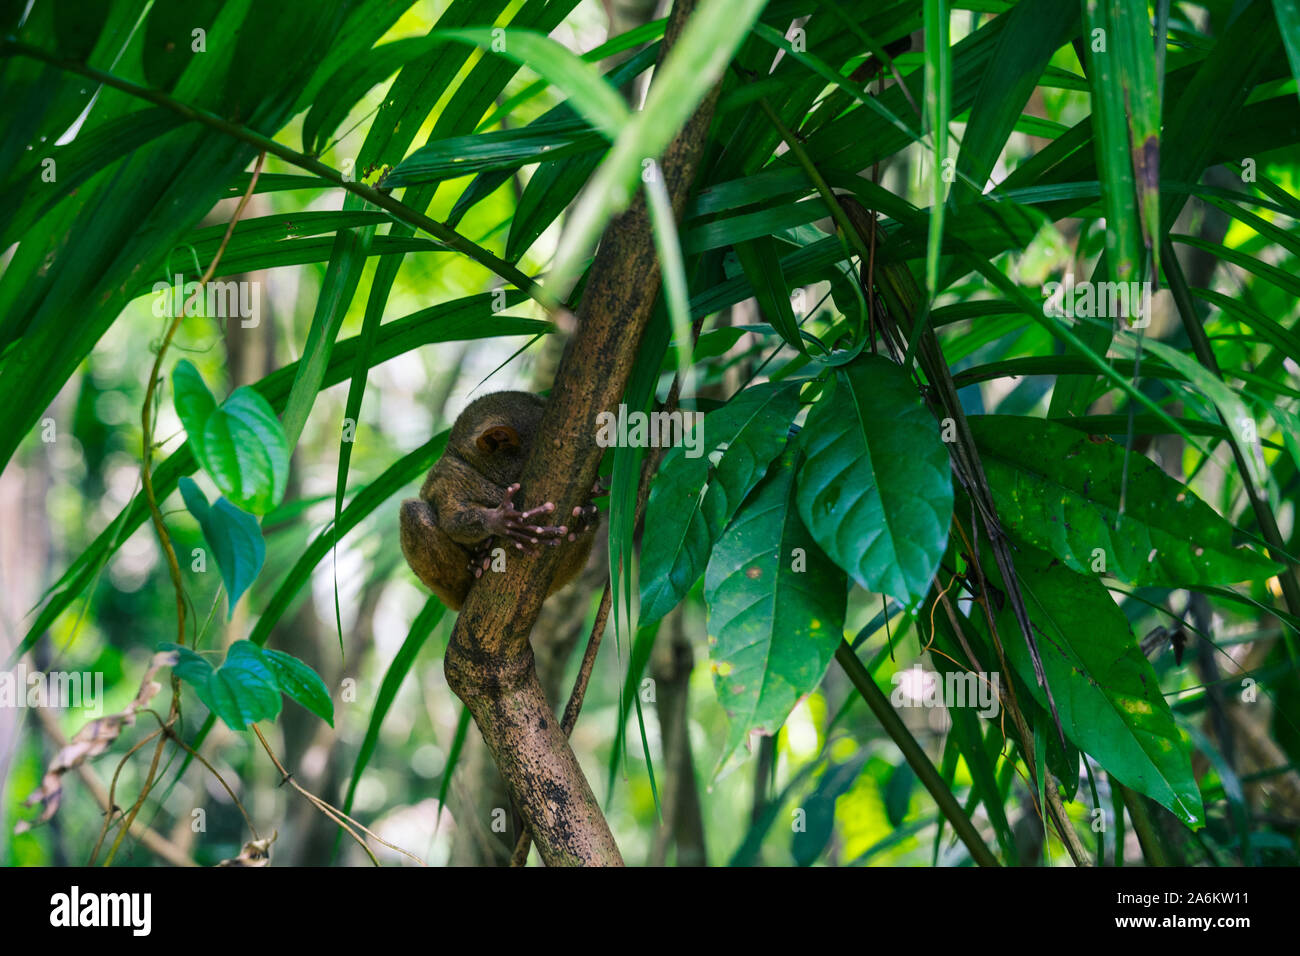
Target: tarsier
(466,507)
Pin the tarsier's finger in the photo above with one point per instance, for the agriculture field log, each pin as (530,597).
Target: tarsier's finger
(540,530)
(544,509)
(521,535)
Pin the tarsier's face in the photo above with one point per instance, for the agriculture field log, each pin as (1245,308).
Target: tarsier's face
(498,440)
(499,452)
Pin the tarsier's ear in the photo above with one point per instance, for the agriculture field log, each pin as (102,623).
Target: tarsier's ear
(497,437)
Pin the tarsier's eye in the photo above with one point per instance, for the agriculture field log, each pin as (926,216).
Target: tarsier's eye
(501,436)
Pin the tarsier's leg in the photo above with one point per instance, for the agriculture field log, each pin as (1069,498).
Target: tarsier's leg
(438,561)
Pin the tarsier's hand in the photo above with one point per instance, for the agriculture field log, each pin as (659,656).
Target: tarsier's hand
(585,518)
(508,521)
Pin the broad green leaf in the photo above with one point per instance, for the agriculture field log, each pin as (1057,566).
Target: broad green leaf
(1061,490)
(1106,691)
(242,691)
(239,443)
(233,536)
(699,488)
(875,488)
(246,452)
(776,609)
(191,667)
(194,403)
(300,683)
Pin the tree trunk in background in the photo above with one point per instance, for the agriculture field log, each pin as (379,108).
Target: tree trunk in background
(671,664)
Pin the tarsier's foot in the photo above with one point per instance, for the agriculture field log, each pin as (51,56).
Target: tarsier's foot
(480,556)
(508,521)
(585,518)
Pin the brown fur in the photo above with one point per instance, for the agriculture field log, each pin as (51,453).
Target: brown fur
(459,508)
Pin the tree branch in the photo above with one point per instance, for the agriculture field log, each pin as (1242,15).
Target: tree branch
(489,662)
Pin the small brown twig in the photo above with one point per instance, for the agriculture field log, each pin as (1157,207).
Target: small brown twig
(152,839)
(167,729)
(112,794)
(334,813)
